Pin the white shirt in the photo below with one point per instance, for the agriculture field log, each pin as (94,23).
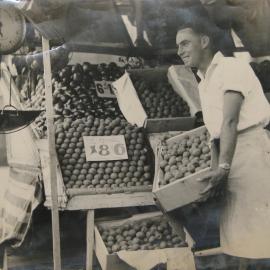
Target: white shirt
(229,73)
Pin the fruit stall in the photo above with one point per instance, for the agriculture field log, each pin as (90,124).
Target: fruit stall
(81,142)
(84,185)
(110,132)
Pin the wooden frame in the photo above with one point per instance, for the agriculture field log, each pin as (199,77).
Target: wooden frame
(182,191)
(112,261)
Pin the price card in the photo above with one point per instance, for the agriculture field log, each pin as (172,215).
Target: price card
(104,89)
(102,148)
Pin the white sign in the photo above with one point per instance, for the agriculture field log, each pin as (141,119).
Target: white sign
(104,89)
(102,148)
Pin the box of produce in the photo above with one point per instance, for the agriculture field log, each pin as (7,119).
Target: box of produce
(158,102)
(108,176)
(182,160)
(142,239)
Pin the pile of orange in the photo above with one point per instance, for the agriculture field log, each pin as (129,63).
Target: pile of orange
(79,173)
(184,158)
(140,235)
(160,100)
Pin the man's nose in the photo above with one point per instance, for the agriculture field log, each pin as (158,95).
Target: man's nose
(180,51)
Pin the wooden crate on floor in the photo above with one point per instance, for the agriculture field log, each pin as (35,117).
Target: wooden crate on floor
(113,262)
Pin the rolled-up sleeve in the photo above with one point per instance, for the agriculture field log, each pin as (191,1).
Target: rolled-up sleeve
(236,77)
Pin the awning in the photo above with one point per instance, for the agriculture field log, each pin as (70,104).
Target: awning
(98,26)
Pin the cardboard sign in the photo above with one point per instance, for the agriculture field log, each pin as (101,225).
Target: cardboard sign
(104,89)
(102,148)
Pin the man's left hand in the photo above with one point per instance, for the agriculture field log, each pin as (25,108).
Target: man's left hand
(217,180)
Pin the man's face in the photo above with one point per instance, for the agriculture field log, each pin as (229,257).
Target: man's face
(189,47)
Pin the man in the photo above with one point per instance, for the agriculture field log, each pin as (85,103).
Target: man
(235,112)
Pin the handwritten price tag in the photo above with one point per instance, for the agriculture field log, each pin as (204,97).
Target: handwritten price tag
(102,148)
(104,89)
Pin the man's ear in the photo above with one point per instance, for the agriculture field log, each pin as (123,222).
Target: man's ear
(205,41)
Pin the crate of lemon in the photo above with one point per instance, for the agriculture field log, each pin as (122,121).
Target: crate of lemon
(141,241)
(101,177)
(182,160)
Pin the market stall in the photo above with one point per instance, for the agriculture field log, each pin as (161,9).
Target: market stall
(129,182)
(103,138)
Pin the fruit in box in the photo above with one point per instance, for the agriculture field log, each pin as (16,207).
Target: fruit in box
(183,158)
(160,100)
(140,235)
(79,173)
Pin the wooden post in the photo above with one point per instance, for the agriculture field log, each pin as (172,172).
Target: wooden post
(90,226)
(52,154)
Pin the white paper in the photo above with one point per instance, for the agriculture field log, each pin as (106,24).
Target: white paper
(184,83)
(129,102)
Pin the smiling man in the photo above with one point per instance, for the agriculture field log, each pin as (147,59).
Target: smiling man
(235,113)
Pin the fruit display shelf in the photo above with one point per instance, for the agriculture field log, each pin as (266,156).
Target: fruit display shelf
(161,103)
(141,236)
(181,162)
(79,177)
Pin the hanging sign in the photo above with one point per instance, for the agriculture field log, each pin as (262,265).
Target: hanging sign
(104,89)
(102,148)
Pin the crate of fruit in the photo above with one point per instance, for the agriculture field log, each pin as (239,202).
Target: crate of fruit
(182,160)
(142,241)
(158,104)
(85,177)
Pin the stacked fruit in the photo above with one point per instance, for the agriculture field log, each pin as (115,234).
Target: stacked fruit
(78,173)
(74,93)
(183,158)
(160,101)
(141,235)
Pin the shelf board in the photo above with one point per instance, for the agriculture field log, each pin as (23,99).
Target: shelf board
(85,202)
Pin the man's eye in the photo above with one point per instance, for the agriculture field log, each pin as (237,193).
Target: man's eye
(185,44)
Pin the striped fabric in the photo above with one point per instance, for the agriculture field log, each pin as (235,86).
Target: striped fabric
(22,196)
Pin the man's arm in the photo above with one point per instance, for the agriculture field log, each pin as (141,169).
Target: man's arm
(228,138)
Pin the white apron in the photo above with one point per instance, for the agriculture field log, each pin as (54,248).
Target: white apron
(245,219)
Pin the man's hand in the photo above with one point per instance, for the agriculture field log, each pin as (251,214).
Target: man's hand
(217,180)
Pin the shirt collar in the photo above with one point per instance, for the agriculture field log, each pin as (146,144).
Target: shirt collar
(214,61)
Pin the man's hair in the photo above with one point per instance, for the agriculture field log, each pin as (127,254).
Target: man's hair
(202,26)
(196,18)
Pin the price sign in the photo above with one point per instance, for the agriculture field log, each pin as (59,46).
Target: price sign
(102,148)
(104,89)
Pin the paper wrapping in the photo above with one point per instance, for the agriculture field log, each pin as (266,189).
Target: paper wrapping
(184,84)
(128,101)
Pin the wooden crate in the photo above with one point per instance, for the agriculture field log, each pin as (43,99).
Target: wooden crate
(183,191)
(79,199)
(113,262)
(153,75)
